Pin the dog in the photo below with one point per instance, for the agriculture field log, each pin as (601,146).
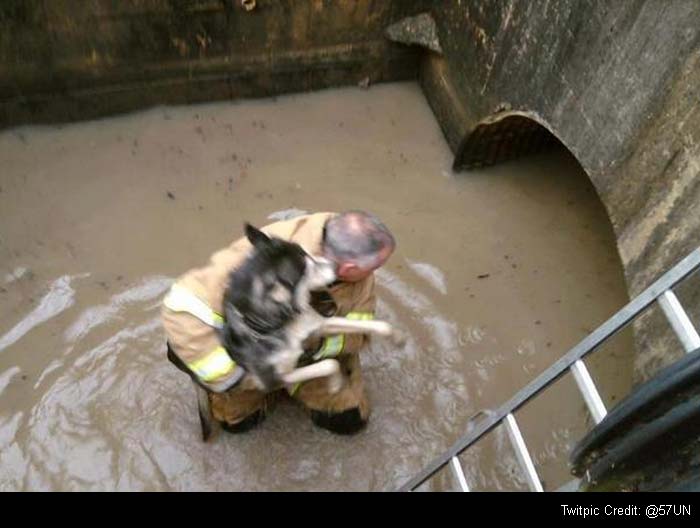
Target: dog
(269,314)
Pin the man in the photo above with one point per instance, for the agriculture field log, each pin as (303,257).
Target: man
(358,243)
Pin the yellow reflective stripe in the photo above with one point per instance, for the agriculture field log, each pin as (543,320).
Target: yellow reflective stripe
(332,346)
(294,388)
(214,365)
(360,316)
(180,299)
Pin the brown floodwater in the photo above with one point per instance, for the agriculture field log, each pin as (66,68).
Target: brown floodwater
(497,273)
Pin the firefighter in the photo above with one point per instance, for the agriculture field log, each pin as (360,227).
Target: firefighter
(358,243)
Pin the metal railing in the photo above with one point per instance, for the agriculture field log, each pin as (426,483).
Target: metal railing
(660,291)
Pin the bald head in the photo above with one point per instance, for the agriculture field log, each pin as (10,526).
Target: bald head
(358,242)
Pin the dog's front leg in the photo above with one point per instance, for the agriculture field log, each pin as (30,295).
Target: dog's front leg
(329,368)
(341,325)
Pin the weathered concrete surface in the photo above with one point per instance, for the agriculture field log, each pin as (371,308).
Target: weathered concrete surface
(419,30)
(77,59)
(618,83)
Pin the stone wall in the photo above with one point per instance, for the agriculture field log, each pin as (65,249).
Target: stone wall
(618,83)
(76,59)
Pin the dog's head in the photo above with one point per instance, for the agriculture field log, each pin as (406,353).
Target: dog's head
(275,282)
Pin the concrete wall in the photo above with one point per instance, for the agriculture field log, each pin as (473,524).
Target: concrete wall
(619,84)
(77,59)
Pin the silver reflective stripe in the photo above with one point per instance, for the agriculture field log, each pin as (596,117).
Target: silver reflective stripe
(180,299)
(225,384)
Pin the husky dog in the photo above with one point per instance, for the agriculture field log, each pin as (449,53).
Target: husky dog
(269,315)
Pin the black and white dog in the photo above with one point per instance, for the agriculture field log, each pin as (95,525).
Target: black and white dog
(269,314)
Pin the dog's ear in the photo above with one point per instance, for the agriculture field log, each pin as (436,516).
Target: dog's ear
(255,236)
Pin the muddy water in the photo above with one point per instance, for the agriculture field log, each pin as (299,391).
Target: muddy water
(497,273)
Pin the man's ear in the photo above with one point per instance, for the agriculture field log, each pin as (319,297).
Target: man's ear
(255,236)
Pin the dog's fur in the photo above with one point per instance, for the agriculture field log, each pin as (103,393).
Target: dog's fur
(269,315)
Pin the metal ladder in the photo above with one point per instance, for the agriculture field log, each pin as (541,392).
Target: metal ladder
(660,291)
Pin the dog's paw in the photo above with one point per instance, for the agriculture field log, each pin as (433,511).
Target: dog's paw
(383,329)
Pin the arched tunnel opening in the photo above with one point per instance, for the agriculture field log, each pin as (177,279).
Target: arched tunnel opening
(501,138)
(517,142)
